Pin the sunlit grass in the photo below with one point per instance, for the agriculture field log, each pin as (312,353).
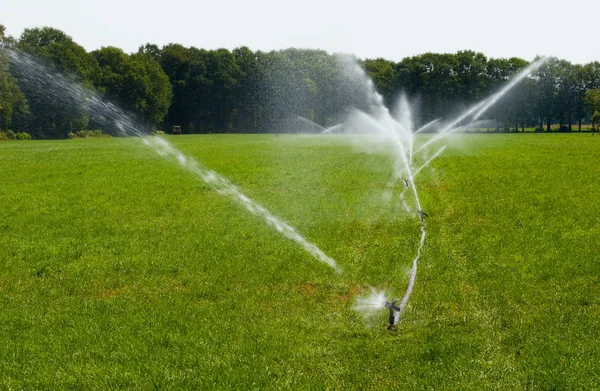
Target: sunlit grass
(119,270)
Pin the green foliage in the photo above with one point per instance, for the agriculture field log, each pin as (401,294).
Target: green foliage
(592,99)
(383,73)
(59,50)
(245,91)
(11,135)
(79,123)
(12,100)
(86,133)
(135,81)
(596,119)
(51,116)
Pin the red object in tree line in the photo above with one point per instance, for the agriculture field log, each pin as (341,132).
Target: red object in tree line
(176,129)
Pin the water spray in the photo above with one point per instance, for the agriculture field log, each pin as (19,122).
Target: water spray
(399,130)
(55,85)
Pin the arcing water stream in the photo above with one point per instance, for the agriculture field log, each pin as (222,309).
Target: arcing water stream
(55,86)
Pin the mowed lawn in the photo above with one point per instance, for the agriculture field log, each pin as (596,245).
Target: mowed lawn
(119,270)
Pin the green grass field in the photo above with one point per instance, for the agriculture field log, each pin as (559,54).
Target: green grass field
(119,270)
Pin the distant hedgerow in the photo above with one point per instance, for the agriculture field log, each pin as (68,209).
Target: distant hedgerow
(10,135)
(86,133)
(23,136)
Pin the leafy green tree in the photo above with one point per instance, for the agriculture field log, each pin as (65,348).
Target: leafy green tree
(12,100)
(566,94)
(580,89)
(384,75)
(513,106)
(155,96)
(135,81)
(151,49)
(246,105)
(59,50)
(592,99)
(224,73)
(470,74)
(595,120)
(547,85)
(53,116)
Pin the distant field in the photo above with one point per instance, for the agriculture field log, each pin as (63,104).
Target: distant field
(118,270)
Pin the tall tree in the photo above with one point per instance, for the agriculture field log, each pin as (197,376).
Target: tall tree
(12,100)
(592,99)
(384,75)
(470,73)
(548,80)
(60,51)
(56,52)
(135,81)
(246,105)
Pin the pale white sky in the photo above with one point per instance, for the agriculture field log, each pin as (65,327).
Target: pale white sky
(369,29)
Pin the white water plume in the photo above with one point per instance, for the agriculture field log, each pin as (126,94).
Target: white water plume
(372,302)
(480,108)
(512,82)
(313,126)
(332,129)
(56,86)
(397,131)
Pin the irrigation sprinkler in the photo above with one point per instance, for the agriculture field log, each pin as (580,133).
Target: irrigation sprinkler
(393,309)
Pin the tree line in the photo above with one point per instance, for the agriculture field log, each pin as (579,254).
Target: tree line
(245,91)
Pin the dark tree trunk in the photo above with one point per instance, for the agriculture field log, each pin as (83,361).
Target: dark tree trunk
(570,121)
(579,129)
(548,120)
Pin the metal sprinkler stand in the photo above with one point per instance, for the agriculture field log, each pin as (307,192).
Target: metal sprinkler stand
(422,215)
(393,309)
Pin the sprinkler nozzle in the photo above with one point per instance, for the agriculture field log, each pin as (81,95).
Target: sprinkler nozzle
(392,307)
(405,182)
(422,215)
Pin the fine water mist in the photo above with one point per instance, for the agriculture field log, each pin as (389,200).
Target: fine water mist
(397,132)
(55,86)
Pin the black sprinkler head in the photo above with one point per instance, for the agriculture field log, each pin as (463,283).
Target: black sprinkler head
(392,318)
